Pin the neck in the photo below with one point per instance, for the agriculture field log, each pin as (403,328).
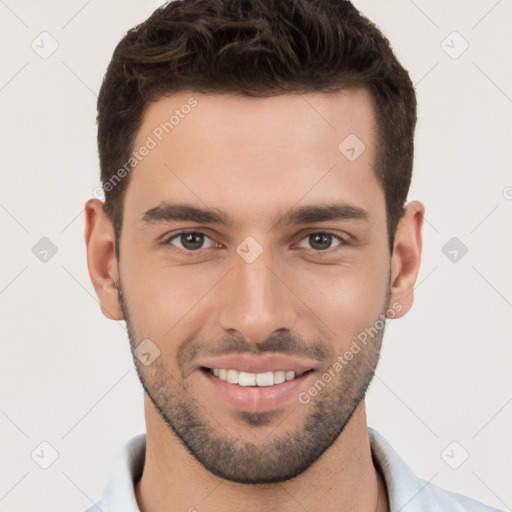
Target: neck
(342,479)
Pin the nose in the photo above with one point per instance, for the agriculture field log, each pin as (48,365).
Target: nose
(256,299)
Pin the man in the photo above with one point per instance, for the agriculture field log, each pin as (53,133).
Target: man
(256,159)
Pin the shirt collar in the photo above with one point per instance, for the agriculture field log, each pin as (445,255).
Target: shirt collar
(119,494)
(404,488)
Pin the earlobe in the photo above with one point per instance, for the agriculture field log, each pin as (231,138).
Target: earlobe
(101,259)
(406,259)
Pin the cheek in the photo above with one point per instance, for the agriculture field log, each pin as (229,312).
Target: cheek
(346,298)
(165,301)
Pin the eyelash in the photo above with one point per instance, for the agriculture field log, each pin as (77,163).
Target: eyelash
(191,253)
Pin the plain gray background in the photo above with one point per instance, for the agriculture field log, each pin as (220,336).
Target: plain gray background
(442,390)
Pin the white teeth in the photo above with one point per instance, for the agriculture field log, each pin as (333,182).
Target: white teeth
(247,379)
(232,376)
(265,379)
(279,377)
(253,379)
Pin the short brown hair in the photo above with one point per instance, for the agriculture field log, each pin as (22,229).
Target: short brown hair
(256,48)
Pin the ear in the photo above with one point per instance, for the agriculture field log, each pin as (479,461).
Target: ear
(101,259)
(406,258)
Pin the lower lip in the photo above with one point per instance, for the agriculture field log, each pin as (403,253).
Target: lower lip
(255,398)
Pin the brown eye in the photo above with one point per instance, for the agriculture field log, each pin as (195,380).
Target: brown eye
(322,240)
(189,241)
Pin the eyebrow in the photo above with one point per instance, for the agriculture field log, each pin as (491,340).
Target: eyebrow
(167,212)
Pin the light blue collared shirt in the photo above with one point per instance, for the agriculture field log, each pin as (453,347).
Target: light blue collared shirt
(406,492)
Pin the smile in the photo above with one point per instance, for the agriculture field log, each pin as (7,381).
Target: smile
(242,378)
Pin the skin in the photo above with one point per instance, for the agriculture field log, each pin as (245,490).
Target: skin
(256,158)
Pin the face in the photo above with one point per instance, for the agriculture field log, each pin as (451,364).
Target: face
(253,255)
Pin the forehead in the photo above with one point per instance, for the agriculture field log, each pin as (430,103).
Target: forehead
(253,154)
(285,119)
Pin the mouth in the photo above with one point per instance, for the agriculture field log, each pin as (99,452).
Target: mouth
(231,389)
(249,379)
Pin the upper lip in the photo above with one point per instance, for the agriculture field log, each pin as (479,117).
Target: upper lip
(257,364)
